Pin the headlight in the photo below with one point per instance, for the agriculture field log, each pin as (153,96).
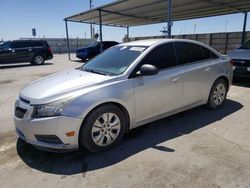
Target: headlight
(51,109)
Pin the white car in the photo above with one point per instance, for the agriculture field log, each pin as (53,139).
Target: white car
(125,87)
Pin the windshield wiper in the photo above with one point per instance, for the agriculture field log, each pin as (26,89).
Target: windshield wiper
(95,71)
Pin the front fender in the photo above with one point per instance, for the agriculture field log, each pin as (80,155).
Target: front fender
(120,92)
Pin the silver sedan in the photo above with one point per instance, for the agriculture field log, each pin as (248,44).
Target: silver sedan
(125,87)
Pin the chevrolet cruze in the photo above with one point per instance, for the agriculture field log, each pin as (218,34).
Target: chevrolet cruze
(125,87)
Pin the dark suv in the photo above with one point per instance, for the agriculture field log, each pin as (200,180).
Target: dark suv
(18,51)
(94,49)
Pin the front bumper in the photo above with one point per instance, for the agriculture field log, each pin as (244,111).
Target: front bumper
(241,71)
(57,126)
(49,57)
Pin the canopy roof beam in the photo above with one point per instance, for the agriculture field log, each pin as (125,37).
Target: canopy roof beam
(222,5)
(96,23)
(128,15)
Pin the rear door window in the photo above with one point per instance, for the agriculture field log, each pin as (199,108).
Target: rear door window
(208,54)
(20,44)
(188,52)
(36,44)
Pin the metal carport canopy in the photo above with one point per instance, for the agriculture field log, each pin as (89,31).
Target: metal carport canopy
(127,13)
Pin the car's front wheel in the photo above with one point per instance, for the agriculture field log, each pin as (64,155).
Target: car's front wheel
(103,128)
(217,94)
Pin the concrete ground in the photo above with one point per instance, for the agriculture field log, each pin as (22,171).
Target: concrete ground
(195,148)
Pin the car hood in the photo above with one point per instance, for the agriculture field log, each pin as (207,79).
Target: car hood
(243,54)
(60,84)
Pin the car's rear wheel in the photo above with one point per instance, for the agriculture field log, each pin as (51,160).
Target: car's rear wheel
(38,60)
(103,128)
(217,94)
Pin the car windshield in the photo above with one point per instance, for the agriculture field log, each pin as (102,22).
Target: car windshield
(246,45)
(4,45)
(114,61)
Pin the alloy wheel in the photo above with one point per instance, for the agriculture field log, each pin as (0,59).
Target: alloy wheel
(38,59)
(106,129)
(219,94)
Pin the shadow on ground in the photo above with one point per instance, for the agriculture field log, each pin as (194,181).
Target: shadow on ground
(139,139)
(20,65)
(242,82)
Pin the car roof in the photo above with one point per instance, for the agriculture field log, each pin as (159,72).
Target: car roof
(28,41)
(156,42)
(151,42)
(110,41)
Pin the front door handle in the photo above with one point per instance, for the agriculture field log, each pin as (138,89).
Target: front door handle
(207,69)
(176,79)
(30,49)
(13,51)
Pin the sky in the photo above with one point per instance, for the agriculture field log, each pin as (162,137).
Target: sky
(18,17)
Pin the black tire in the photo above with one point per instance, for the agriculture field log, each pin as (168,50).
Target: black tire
(85,135)
(212,99)
(38,59)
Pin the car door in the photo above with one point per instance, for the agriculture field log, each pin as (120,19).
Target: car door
(162,93)
(21,50)
(35,47)
(196,69)
(5,53)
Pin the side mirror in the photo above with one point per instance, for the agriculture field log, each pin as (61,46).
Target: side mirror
(148,70)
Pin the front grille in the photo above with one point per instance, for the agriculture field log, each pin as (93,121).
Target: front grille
(51,139)
(19,112)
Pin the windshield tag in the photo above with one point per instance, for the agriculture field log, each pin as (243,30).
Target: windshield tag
(139,49)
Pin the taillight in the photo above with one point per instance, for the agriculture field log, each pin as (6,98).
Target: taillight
(49,49)
(232,62)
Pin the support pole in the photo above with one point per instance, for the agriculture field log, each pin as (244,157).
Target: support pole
(243,37)
(100,24)
(91,26)
(169,17)
(226,44)
(67,36)
(128,33)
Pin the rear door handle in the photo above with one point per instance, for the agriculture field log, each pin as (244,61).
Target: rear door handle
(207,69)
(12,50)
(30,49)
(176,79)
